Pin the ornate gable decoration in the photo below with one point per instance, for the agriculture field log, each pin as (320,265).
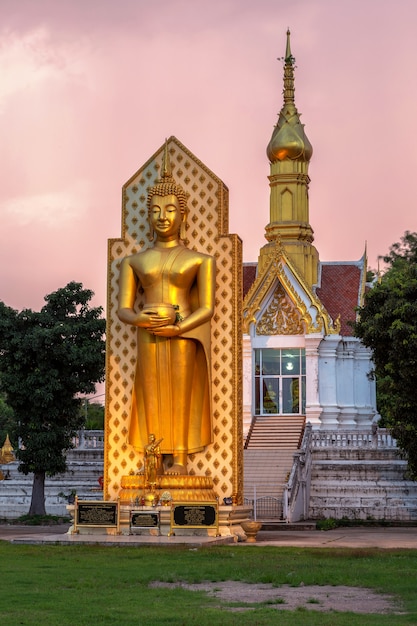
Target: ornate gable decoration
(280,303)
(281,317)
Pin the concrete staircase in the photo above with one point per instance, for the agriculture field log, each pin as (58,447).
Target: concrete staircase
(85,466)
(267,467)
(275,432)
(268,459)
(361,484)
(265,474)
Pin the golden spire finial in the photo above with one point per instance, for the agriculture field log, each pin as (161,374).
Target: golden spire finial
(289,89)
(289,140)
(288,56)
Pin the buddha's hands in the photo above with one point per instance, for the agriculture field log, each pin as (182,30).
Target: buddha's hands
(150,322)
(170,330)
(154,323)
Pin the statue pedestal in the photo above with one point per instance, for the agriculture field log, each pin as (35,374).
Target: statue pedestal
(181,488)
(231,519)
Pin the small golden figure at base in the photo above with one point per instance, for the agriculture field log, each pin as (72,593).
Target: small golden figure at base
(152,461)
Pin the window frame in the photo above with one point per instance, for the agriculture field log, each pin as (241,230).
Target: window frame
(271,375)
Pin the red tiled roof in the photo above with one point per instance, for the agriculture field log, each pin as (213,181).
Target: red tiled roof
(249,275)
(339,290)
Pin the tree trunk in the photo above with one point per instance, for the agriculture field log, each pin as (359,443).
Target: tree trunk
(37,504)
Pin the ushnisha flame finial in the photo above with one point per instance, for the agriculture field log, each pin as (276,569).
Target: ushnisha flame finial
(166,171)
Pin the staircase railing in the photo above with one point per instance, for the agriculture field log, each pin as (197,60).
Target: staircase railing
(89,439)
(296,495)
(377,438)
(248,436)
(297,490)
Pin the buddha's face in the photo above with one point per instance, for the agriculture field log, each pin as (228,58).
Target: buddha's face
(165,216)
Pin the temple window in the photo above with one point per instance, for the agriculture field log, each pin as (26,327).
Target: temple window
(280,381)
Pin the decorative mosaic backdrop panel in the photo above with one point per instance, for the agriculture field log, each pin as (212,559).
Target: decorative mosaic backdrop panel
(207,231)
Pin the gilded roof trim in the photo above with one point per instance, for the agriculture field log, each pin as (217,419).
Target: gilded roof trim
(274,265)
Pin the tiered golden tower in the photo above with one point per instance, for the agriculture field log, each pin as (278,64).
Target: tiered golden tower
(289,152)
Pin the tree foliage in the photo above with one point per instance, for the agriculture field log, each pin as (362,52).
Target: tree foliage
(93,415)
(388,325)
(47,359)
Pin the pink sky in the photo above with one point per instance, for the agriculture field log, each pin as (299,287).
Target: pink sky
(90,89)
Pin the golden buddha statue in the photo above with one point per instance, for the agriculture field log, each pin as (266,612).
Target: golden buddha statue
(171,396)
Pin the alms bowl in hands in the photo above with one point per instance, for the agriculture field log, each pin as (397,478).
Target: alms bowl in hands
(162,310)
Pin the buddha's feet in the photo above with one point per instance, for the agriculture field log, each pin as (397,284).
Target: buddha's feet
(177,469)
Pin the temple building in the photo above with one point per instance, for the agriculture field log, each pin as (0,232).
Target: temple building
(301,362)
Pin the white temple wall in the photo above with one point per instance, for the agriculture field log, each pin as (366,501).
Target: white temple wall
(340,394)
(347,393)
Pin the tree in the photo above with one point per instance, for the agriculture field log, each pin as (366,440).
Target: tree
(93,415)
(47,359)
(388,325)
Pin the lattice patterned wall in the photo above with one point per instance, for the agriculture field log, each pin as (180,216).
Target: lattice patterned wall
(207,232)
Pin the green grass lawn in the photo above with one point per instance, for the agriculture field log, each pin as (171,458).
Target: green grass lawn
(92,585)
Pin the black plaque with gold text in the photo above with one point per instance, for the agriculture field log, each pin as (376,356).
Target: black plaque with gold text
(194,515)
(144,519)
(96,513)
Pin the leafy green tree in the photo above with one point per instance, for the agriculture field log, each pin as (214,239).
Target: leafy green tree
(47,359)
(388,325)
(93,414)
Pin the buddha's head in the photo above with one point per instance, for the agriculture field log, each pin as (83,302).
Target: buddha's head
(166,186)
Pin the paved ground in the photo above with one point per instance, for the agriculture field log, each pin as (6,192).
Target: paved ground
(361,537)
(380,537)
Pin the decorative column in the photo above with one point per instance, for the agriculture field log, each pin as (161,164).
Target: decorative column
(247,384)
(364,387)
(313,406)
(328,382)
(346,384)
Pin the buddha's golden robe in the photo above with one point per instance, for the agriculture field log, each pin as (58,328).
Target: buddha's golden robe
(171,395)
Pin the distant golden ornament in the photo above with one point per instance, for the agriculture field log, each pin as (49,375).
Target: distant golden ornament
(7,454)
